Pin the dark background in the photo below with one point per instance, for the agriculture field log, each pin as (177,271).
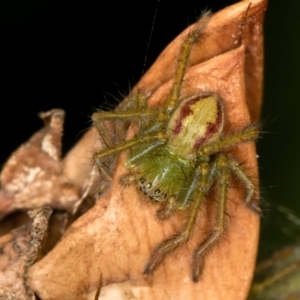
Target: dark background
(78,55)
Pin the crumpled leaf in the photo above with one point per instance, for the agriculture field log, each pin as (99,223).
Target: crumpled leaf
(18,250)
(115,237)
(33,176)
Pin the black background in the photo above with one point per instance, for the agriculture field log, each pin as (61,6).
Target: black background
(81,55)
(78,55)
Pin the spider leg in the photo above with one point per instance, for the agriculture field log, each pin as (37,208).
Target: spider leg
(202,250)
(133,101)
(250,199)
(99,118)
(123,146)
(184,54)
(104,171)
(199,182)
(130,115)
(136,109)
(219,228)
(247,134)
(103,133)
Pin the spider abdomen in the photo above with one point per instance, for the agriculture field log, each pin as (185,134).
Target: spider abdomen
(196,121)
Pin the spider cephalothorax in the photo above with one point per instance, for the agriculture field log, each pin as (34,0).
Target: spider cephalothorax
(177,155)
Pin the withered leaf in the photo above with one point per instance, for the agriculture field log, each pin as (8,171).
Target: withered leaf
(33,176)
(18,250)
(115,237)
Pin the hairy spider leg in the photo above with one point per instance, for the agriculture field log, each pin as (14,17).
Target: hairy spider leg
(136,103)
(123,146)
(135,109)
(199,183)
(100,117)
(247,134)
(251,200)
(184,54)
(138,111)
(223,177)
(153,137)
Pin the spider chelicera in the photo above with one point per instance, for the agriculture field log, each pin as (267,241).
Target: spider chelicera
(177,156)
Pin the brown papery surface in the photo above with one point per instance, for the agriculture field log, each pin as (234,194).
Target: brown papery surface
(18,250)
(33,176)
(116,236)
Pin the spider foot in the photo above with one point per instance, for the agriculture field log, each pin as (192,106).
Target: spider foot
(165,247)
(255,207)
(252,201)
(197,267)
(154,261)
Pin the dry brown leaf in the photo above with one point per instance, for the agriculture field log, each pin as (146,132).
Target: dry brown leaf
(116,236)
(18,250)
(33,176)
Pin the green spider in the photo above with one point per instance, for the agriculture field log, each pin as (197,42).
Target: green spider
(177,156)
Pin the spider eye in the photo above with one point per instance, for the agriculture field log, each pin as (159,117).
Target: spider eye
(148,185)
(142,180)
(157,192)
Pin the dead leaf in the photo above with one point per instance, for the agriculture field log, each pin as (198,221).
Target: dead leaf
(116,236)
(18,250)
(33,176)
